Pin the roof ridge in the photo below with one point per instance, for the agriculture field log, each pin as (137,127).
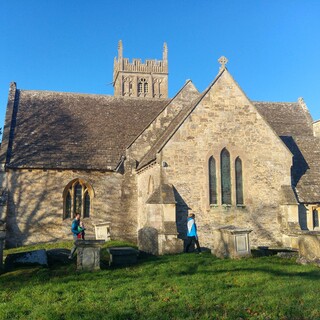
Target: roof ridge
(282,102)
(91,95)
(170,131)
(165,106)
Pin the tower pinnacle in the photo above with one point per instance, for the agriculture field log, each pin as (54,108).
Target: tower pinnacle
(120,50)
(165,52)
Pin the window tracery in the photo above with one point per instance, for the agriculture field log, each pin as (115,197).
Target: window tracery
(77,198)
(143,87)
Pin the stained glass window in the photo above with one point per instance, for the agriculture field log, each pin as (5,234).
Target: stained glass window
(239,184)
(225,177)
(212,181)
(86,207)
(68,206)
(77,199)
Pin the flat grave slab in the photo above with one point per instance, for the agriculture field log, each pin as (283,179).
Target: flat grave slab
(122,256)
(29,258)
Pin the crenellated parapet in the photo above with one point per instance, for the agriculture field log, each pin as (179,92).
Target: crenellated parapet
(148,79)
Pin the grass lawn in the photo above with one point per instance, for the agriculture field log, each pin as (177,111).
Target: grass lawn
(183,286)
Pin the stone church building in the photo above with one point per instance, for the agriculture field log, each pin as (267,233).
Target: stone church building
(142,161)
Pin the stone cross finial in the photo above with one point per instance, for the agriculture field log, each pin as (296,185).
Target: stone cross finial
(223,61)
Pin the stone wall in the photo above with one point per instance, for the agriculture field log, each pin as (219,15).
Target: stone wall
(316,128)
(148,180)
(226,119)
(35,205)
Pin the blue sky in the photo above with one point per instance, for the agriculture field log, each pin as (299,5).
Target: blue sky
(273,46)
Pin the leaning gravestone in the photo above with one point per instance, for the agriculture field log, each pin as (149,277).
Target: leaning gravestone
(30,258)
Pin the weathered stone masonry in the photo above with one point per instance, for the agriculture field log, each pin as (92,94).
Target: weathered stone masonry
(145,159)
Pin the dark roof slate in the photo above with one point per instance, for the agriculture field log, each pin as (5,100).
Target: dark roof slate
(286,118)
(288,196)
(308,184)
(162,195)
(293,123)
(76,131)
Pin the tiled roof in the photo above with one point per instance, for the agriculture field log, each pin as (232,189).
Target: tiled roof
(293,123)
(288,196)
(287,119)
(162,195)
(76,131)
(308,185)
(190,96)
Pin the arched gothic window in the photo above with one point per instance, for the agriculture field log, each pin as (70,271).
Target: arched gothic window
(239,184)
(77,198)
(212,181)
(225,177)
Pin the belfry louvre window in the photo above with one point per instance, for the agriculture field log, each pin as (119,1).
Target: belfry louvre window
(225,177)
(239,184)
(212,181)
(143,87)
(77,198)
(146,87)
(139,87)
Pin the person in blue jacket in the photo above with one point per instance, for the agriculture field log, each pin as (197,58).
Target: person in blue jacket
(192,236)
(75,231)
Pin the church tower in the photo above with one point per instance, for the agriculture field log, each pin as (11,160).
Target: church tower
(138,79)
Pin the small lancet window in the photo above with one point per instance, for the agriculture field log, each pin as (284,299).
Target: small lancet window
(68,206)
(225,177)
(86,207)
(212,181)
(77,198)
(239,182)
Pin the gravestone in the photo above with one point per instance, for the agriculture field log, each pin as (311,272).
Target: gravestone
(309,246)
(29,258)
(102,231)
(231,242)
(122,256)
(88,254)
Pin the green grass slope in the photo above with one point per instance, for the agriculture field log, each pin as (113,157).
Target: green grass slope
(183,286)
